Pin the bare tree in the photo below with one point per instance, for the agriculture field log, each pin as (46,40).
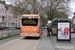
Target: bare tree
(49,8)
(54,6)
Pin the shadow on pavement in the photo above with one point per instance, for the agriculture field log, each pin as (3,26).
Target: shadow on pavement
(31,38)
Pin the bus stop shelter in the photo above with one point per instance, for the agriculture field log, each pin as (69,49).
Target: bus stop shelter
(54,24)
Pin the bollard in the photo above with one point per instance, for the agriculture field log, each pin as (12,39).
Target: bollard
(12,32)
(8,32)
(2,33)
(17,31)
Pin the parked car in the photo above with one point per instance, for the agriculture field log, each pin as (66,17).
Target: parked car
(12,28)
(1,28)
(73,29)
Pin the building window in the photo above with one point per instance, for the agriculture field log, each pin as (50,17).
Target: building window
(3,18)
(5,12)
(10,19)
(1,11)
(3,24)
(2,6)
(16,20)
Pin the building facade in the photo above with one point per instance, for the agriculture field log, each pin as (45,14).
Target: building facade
(11,19)
(6,17)
(3,14)
(17,20)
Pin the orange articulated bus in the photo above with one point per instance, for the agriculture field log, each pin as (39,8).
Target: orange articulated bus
(31,25)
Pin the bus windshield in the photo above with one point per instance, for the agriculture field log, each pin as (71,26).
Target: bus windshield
(29,21)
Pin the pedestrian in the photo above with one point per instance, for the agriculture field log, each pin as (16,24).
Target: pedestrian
(49,30)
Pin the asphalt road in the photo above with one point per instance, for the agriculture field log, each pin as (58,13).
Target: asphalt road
(43,43)
(20,43)
(6,32)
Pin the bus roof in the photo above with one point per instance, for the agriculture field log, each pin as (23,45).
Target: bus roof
(30,15)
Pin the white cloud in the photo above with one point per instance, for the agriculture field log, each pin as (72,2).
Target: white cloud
(72,8)
(72,5)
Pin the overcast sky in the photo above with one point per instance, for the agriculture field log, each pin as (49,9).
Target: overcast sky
(72,7)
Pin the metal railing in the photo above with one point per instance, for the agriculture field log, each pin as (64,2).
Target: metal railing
(7,32)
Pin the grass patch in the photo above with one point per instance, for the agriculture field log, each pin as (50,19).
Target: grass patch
(9,35)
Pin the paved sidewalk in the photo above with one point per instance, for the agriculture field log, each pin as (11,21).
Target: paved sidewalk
(45,43)
(50,43)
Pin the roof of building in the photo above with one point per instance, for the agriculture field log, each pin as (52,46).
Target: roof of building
(9,5)
(2,2)
(30,15)
(6,7)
